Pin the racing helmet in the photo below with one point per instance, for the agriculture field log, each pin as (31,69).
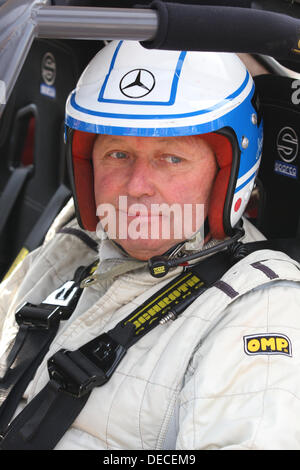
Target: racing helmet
(132,91)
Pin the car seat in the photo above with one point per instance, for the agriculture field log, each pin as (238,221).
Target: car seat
(278,189)
(33,179)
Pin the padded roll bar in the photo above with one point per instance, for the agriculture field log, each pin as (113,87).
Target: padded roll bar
(225,29)
(163,25)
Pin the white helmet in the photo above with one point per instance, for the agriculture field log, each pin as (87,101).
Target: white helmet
(129,90)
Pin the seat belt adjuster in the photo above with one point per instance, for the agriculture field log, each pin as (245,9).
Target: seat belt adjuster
(59,305)
(78,372)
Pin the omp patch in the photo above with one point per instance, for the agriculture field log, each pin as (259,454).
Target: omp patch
(267,343)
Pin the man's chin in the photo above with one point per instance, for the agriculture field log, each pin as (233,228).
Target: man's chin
(145,249)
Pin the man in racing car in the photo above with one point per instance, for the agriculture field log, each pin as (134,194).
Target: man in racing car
(149,131)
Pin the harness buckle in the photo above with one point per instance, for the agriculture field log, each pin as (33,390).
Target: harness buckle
(59,305)
(78,372)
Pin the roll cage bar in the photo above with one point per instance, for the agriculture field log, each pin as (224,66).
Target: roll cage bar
(269,27)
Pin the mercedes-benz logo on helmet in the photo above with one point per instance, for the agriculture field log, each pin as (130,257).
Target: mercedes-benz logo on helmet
(137,83)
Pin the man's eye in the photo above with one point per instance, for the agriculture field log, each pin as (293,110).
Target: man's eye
(118,155)
(173,159)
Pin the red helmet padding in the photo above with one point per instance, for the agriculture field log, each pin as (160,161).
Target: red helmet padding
(84,181)
(84,178)
(223,152)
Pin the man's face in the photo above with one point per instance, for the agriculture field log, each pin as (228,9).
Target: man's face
(164,184)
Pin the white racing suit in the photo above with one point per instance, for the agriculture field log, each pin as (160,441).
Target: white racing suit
(224,375)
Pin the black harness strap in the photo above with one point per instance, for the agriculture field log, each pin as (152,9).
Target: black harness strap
(38,327)
(287,245)
(11,192)
(74,374)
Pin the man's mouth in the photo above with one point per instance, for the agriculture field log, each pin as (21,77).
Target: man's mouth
(142,215)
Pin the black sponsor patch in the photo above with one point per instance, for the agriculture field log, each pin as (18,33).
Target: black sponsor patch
(267,343)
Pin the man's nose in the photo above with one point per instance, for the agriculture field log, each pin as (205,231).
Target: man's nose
(140,180)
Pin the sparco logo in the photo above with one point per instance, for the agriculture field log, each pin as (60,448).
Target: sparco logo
(49,68)
(137,83)
(287,144)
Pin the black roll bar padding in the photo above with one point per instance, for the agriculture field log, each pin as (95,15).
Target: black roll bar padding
(131,3)
(225,29)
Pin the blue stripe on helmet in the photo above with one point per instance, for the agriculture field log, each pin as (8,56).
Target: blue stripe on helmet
(155,116)
(245,182)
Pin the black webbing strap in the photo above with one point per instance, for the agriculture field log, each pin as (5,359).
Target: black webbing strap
(38,325)
(38,232)
(30,347)
(290,246)
(56,203)
(74,374)
(11,192)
